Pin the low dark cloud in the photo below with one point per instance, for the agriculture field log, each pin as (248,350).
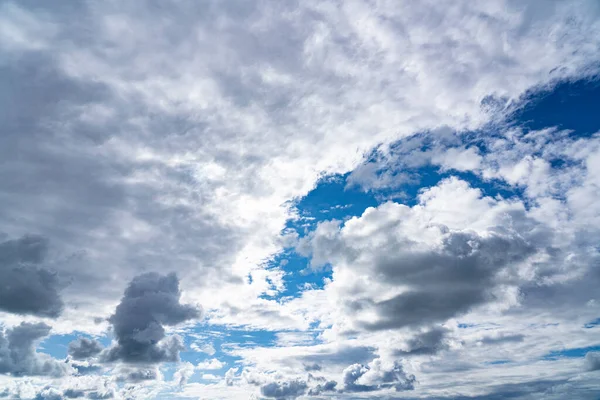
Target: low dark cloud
(84,348)
(447,282)
(284,390)
(429,342)
(372,377)
(26,287)
(497,340)
(150,301)
(18,355)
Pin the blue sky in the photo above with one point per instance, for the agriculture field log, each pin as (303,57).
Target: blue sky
(299,200)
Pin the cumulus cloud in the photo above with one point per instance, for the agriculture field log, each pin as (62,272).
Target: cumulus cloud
(592,361)
(284,390)
(398,266)
(73,393)
(18,355)
(212,363)
(133,151)
(376,376)
(136,375)
(27,287)
(150,301)
(84,348)
(230,376)
(428,342)
(183,374)
(319,389)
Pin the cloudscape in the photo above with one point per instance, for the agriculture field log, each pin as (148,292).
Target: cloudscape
(353,199)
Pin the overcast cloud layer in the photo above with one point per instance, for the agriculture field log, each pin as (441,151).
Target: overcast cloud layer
(299,199)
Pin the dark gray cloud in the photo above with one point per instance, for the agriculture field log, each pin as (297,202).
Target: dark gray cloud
(284,390)
(18,355)
(447,282)
(150,301)
(319,389)
(429,342)
(340,356)
(73,393)
(372,377)
(137,375)
(26,287)
(493,340)
(83,348)
(592,361)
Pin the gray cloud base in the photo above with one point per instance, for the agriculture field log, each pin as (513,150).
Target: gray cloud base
(26,287)
(150,301)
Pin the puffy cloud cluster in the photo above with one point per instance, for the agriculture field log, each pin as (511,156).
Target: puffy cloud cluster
(84,348)
(408,267)
(150,302)
(143,135)
(284,390)
(377,376)
(18,355)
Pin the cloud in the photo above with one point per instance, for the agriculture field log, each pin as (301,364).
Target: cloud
(137,375)
(592,361)
(73,393)
(183,374)
(230,376)
(84,348)
(212,363)
(319,389)
(49,394)
(134,152)
(18,355)
(312,367)
(26,287)
(150,301)
(400,267)
(502,339)
(284,390)
(428,342)
(376,376)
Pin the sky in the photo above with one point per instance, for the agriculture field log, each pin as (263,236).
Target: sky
(300,200)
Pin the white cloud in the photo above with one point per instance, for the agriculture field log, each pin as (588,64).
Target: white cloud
(145,138)
(209,364)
